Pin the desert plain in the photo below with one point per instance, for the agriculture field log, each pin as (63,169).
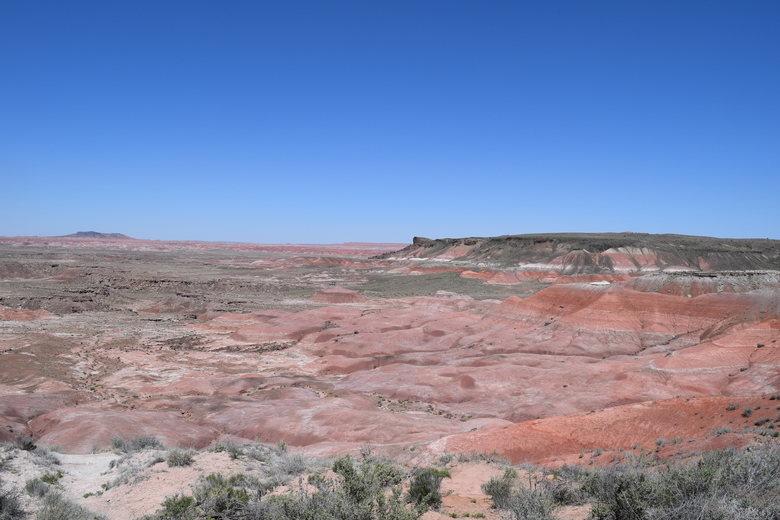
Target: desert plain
(548,350)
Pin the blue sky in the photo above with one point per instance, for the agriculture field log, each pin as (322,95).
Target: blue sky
(379,120)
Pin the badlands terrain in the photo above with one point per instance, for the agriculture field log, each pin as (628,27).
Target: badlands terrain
(578,349)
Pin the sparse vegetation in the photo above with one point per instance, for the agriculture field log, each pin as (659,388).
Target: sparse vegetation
(45,456)
(10,505)
(218,497)
(231,447)
(284,466)
(482,457)
(129,469)
(364,490)
(36,487)
(57,507)
(726,484)
(177,457)
(145,442)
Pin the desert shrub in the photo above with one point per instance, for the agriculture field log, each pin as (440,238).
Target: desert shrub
(218,498)
(51,478)
(499,489)
(532,503)
(231,447)
(284,466)
(262,452)
(57,507)
(747,412)
(363,481)
(129,470)
(619,495)
(563,491)
(177,457)
(35,487)
(424,489)
(145,442)
(728,484)
(10,505)
(24,442)
(332,504)
(446,459)
(365,490)
(291,464)
(46,456)
(177,507)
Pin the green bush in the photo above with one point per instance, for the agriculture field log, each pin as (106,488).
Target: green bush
(363,481)
(177,507)
(218,497)
(424,489)
(499,489)
(619,496)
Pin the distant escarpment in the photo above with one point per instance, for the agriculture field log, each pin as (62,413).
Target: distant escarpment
(95,234)
(578,253)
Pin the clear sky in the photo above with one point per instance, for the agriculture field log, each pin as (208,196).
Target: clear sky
(377,120)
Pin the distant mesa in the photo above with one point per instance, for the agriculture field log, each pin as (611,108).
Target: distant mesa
(96,234)
(589,253)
